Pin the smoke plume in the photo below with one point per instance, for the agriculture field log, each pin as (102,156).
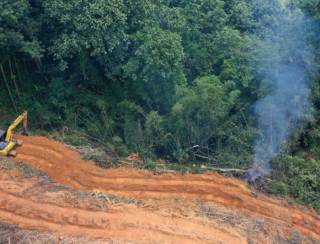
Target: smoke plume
(284,63)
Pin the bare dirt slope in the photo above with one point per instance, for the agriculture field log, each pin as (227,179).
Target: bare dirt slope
(146,208)
(37,203)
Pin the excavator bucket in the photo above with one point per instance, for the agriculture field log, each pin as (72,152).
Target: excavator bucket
(12,153)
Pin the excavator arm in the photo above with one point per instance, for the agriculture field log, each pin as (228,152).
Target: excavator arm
(23,118)
(7,142)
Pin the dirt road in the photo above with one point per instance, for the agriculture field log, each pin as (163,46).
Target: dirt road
(143,224)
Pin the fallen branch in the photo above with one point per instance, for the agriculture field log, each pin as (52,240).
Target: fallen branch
(223,170)
(219,170)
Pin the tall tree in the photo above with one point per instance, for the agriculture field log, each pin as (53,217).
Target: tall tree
(156,68)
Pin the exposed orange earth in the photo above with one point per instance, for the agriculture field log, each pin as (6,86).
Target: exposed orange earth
(177,208)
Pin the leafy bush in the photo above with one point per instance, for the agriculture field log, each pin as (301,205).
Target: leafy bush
(202,122)
(298,178)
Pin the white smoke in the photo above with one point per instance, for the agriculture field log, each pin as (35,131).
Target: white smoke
(285,64)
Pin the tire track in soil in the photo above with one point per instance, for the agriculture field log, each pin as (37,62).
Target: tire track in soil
(65,166)
(124,223)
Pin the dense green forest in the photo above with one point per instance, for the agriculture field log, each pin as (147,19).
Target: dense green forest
(171,79)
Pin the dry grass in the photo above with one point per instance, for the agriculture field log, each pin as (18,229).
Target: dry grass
(112,199)
(26,170)
(11,234)
(256,230)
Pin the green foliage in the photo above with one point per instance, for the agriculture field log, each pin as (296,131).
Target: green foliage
(201,119)
(156,67)
(311,6)
(93,28)
(18,30)
(150,166)
(201,108)
(240,14)
(299,178)
(173,79)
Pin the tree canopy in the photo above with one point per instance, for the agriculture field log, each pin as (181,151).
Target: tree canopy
(172,79)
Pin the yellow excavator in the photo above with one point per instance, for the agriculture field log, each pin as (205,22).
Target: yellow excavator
(7,141)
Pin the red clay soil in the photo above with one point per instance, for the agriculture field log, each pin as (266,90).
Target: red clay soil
(66,167)
(33,204)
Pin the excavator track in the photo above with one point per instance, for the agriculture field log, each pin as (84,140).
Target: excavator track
(65,166)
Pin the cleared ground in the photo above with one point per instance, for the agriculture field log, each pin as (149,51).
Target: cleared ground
(68,197)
